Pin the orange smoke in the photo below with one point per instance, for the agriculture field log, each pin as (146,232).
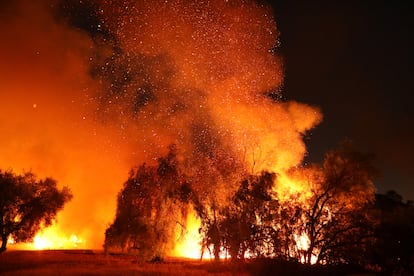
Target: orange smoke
(220,68)
(45,119)
(206,68)
(220,65)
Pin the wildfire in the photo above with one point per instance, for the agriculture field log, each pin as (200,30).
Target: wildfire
(189,244)
(41,243)
(51,238)
(53,241)
(11,241)
(195,74)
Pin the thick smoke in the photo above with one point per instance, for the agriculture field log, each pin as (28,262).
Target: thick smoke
(85,103)
(198,74)
(45,119)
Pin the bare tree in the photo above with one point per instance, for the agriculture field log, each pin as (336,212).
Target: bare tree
(339,215)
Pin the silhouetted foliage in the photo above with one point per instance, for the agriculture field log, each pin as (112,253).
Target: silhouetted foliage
(339,217)
(394,250)
(27,205)
(246,226)
(150,206)
(332,223)
(214,182)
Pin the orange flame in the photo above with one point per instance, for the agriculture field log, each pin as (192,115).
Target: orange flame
(189,244)
(50,238)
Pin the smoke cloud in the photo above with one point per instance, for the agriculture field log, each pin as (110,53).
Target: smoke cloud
(85,103)
(46,125)
(199,75)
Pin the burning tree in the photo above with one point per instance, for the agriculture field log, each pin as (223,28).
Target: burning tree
(214,182)
(27,205)
(332,221)
(211,85)
(150,205)
(338,215)
(247,223)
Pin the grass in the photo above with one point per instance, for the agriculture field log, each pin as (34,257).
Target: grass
(87,262)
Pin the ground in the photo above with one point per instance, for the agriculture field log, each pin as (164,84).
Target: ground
(88,262)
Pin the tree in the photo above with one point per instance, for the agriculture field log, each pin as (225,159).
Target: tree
(151,204)
(332,221)
(243,226)
(394,248)
(339,214)
(27,205)
(247,221)
(215,179)
(288,228)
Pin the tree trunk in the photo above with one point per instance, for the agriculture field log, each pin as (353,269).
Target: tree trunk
(4,239)
(216,248)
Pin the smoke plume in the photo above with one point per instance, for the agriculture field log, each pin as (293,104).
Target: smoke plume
(84,103)
(46,125)
(199,74)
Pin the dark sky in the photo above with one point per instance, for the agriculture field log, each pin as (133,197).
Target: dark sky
(354,60)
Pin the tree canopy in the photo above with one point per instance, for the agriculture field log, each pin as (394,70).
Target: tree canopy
(27,204)
(394,248)
(243,215)
(150,206)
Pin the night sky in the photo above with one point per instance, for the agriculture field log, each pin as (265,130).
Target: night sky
(354,60)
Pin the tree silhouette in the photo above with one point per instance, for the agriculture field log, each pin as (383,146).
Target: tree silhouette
(394,249)
(214,182)
(339,217)
(27,204)
(334,223)
(247,222)
(152,203)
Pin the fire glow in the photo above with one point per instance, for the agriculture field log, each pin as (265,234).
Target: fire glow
(189,244)
(53,240)
(197,75)
(50,238)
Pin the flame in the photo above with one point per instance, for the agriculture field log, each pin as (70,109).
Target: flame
(11,241)
(46,122)
(51,238)
(189,244)
(41,243)
(293,182)
(303,244)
